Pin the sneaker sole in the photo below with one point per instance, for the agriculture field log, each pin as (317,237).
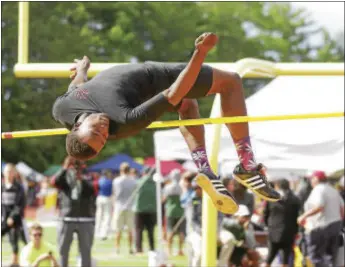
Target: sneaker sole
(222,203)
(255,191)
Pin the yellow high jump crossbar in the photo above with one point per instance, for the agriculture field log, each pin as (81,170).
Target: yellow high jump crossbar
(176,123)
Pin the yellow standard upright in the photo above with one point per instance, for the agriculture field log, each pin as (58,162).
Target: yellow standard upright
(23,33)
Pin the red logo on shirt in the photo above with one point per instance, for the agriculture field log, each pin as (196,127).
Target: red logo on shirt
(81,93)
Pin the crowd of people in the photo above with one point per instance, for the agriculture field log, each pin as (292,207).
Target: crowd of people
(310,217)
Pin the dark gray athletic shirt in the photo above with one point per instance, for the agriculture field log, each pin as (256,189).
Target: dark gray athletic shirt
(129,94)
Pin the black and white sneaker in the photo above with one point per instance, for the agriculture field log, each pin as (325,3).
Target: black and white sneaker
(256,181)
(220,196)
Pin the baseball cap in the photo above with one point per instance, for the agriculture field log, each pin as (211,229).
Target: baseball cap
(242,211)
(320,175)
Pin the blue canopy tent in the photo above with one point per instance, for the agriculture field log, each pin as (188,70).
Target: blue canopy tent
(113,163)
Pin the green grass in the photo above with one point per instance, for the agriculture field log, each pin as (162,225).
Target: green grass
(103,251)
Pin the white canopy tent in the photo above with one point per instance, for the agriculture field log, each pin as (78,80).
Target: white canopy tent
(294,144)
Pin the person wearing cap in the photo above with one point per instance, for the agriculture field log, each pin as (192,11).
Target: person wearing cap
(322,220)
(234,229)
(281,220)
(124,187)
(173,210)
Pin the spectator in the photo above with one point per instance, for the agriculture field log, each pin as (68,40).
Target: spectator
(194,238)
(241,254)
(243,197)
(281,220)
(38,253)
(240,193)
(174,211)
(104,205)
(134,173)
(77,210)
(341,258)
(186,197)
(324,212)
(12,210)
(303,190)
(24,232)
(145,209)
(123,190)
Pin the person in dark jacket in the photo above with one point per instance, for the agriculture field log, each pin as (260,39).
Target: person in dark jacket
(12,209)
(77,210)
(280,217)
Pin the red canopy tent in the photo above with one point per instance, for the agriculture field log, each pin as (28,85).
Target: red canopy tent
(166,166)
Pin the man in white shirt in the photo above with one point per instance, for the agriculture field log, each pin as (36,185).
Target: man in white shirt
(124,187)
(322,219)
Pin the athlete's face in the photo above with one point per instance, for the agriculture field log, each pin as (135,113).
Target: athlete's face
(94,130)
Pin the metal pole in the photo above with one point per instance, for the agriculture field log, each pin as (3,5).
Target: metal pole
(158,179)
(209,212)
(61,70)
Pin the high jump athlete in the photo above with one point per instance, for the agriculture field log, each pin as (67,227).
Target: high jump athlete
(123,100)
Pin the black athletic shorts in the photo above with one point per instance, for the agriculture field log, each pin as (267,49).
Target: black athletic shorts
(163,75)
(178,223)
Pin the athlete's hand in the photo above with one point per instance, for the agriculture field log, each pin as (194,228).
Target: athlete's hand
(81,65)
(206,42)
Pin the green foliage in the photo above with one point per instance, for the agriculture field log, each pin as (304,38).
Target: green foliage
(126,31)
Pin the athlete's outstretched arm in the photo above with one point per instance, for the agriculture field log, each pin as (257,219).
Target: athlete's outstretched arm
(187,78)
(136,119)
(79,76)
(144,114)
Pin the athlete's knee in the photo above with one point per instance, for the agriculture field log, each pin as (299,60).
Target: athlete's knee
(225,81)
(232,80)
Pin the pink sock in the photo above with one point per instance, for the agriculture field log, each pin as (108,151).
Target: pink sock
(245,153)
(200,159)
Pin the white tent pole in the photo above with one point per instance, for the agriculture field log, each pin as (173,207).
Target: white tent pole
(158,179)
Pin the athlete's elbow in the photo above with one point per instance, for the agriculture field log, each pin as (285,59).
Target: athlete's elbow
(172,97)
(134,116)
